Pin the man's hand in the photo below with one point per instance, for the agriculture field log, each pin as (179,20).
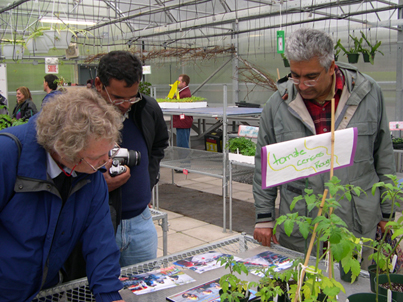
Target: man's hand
(382,225)
(118,180)
(265,236)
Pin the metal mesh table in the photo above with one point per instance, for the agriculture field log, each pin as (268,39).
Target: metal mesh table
(242,245)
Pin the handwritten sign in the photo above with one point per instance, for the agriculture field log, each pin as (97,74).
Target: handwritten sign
(248,131)
(307,156)
(395,126)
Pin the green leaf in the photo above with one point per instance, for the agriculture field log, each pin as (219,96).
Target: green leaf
(335,238)
(331,291)
(304,228)
(288,227)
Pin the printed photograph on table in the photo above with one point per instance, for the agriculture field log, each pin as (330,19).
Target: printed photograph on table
(267,259)
(155,280)
(203,262)
(207,292)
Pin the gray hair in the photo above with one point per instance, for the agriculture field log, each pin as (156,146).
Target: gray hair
(67,122)
(307,43)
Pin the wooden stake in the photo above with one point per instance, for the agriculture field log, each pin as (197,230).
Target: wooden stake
(331,175)
(278,74)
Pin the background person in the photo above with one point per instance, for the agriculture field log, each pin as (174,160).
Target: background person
(144,130)
(25,107)
(301,107)
(183,123)
(50,87)
(61,200)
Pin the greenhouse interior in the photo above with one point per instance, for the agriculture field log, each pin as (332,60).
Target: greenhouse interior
(269,132)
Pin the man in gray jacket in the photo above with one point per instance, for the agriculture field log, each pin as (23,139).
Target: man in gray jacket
(301,107)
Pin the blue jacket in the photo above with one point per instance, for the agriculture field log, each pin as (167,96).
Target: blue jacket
(37,234)
(50,95)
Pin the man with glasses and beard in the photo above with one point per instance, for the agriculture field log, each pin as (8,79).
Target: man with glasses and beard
(302,107)
(145,131)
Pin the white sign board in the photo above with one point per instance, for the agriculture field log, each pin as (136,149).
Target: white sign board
(3,80)
(248,131)
(51,65)
(307,156)
(147,69)
(395,126)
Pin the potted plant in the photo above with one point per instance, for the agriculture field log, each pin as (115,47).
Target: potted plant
(384,251)
(13,49)
(234,289)
(145,88)
(277,283)
(353,53)
(36,42)
(337,50)
(369,54)
(6,121)
(285,60)
(60,36)
(329,228)
(241,149)
(397,143)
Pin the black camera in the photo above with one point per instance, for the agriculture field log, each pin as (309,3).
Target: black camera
(123,157)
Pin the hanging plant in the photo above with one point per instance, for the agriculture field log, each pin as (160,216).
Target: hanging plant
(337,50)
(369,54)
(285,60)
(353,52)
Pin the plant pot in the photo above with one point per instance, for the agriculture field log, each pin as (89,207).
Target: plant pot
(398,146)
(11,51)
(367,297)
(58,39)
(38,45)
(353,58)
(372,276)
(394,278)
(366,57)
(345,276)
(286,63)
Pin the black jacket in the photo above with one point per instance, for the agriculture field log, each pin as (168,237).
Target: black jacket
(27,109)
(148,117)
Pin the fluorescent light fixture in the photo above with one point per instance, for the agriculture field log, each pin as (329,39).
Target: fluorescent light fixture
(76,22)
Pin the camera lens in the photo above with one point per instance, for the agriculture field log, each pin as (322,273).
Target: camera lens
(134,158)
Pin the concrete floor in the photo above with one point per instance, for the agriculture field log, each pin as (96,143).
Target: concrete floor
(186,233)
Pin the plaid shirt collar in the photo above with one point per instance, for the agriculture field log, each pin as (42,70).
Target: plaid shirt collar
(321,114)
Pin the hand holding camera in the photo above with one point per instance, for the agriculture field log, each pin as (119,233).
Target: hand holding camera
(123,157)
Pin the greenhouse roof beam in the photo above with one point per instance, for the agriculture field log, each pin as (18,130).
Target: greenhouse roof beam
(167,12)
(150,12)
(119,13)
(12,5)
(225,6)
(250,14)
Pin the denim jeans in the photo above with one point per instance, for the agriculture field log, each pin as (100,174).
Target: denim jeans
(137,239)
(182,137)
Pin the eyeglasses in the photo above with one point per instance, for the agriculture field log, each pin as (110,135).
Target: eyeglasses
(309,83)
(121,101)
(115,152)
